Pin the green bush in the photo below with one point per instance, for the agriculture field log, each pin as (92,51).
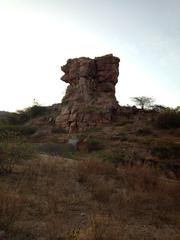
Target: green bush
(125,155)
(168,119)
(94,144)
(120,156)
(11,153)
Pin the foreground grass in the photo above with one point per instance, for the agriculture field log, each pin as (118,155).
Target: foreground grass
(51,198)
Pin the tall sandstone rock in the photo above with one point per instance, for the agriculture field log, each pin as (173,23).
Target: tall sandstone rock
(90,97)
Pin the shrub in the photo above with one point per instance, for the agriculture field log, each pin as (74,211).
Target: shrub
(11,131)
(168,119)
(55,149)
(94,144)
(22,116)
(124,155)
(27,130)
(96,176)
(94,167)
(58,130)
(120,136)
(35,111)
(16,118)
(11,153)
(159,108)
(139,178)
(120,156)
(166,150)
(64,102)
(144,131)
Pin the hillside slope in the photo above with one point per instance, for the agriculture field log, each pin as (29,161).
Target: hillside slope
(118,181)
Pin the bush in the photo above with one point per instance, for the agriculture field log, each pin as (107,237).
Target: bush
(64,102)
(120,156)
(120,136)
(55,149)
(22,116)
(168,119)
(94,144)
(16,118)
(31,112)
(96,175)
(124,155)
(144,131)
(11,153)
(159,108)
(36,111)
(58,130)
(94,167)
(166,150)
(13,131)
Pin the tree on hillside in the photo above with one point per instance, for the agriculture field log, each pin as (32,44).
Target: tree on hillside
(143,102)
(159,108)
(177,109)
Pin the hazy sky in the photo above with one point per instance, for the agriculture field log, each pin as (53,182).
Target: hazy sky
(38,36)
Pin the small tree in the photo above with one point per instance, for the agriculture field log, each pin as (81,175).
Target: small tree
(159,108)
(143,102)
(177,109)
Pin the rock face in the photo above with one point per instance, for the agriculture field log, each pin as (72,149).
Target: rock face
(90,97)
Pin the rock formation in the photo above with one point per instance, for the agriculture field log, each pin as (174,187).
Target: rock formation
(90,97)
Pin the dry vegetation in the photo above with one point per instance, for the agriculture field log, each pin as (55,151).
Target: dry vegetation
(124,185)
(54,198)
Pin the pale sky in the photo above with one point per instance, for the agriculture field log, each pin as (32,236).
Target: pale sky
(38,36)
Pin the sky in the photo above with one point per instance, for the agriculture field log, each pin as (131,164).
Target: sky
(38,36)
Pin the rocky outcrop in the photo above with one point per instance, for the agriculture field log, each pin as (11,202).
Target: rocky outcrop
(90,97)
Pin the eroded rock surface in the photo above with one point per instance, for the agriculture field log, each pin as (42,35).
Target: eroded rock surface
(90,97)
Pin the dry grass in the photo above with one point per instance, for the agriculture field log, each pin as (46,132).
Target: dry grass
(10,209)
(133,194)
(100,228)
(51,198)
